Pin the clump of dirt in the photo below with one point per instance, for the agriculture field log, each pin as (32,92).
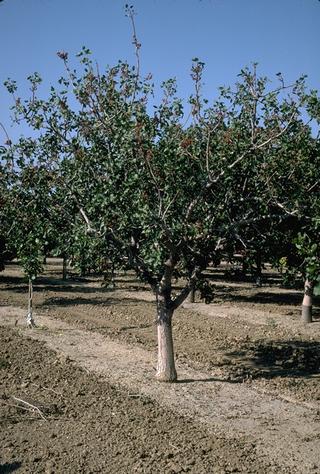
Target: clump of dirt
(56,417)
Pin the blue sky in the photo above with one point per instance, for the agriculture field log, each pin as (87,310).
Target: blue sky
(281,35)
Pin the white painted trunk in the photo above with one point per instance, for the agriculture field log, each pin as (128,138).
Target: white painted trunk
(306,313)
(166,371)
(30,320)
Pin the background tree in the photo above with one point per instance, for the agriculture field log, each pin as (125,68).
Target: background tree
(296,190)
(26,210)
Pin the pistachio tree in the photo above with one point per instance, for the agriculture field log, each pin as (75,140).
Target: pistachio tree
(307,242)
(166,186)
(295,190)
(4,188)
(26,208)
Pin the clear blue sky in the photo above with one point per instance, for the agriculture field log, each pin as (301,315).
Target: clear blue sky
(281,35)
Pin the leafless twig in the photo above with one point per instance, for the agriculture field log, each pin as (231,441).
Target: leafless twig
(29,406)
(313,186)
(6,134)
(212,181)
(90,229)
(48,389)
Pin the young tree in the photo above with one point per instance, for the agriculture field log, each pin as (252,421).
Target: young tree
(26,209)
(5,184)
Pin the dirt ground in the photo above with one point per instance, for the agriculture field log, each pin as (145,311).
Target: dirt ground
(248,344)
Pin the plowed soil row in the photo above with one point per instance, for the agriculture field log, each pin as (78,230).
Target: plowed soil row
(92,426)
(249,373)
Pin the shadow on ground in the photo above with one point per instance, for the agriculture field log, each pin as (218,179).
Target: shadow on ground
(277,359)
(291,299)
(209,379)
(20,285)
(102,301)
(9,467)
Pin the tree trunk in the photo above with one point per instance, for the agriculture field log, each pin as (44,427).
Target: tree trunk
(112,276)
(306,314)
(83,270)
(64,268)
(258,275)
(166,371)
(192,296)
(30,320)
(244,266)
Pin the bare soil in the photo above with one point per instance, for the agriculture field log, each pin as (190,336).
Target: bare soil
(248,398)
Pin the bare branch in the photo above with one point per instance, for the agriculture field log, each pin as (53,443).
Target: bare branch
(30,406)
(90,229)
(137,45)
(169,205)
(290,213)
(9,142)
(207,152)
(211,182)
(313,186)
(277,135)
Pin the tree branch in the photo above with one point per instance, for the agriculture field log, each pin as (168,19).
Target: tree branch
(211,182)
(179,299)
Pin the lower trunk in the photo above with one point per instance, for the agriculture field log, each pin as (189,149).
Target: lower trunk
(64,268)
(30,320)
(192,296)
(83,271)
(112,277)
(258,275)
(306,313)
(244,267)
(166,371)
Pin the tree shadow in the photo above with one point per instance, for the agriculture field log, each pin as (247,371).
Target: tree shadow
(235,276)
(19,285)
(55,287)
(288,298)
(6,279)
(138,326)
(276,359)
(206,380)
(134,288)
(119,279)
(10,467)
(292,298)
(111,301)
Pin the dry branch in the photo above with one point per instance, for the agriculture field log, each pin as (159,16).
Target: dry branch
(29,406)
